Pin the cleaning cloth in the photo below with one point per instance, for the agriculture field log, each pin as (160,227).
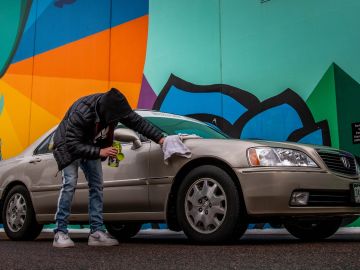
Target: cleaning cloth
(173,145)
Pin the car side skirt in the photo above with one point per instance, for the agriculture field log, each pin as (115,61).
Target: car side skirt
(130,216)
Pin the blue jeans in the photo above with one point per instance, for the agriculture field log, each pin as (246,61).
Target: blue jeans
(93,173)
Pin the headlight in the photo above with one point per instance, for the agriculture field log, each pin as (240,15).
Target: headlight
(278,157)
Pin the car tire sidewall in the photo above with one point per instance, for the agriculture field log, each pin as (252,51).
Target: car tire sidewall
(322,229)
(30,229)
(233,224)
(126,232)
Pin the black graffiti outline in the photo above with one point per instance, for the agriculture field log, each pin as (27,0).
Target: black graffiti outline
(243,97)
(253,106)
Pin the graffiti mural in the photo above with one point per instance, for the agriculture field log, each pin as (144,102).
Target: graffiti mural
(57,51)
(284,117)
(270,70)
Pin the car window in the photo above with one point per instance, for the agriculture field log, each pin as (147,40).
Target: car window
(46,146)
(174,126)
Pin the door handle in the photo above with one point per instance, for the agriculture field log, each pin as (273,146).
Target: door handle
(35,160)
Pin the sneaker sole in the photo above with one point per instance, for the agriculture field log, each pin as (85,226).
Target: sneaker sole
(101,244)
(63,246)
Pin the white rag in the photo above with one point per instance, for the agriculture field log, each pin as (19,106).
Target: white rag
(173,145)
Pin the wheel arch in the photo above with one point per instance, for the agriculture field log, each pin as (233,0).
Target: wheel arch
(171,217)
(6,190)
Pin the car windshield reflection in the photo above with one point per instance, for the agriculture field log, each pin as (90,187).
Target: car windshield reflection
(173,126)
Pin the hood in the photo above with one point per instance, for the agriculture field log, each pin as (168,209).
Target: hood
(113,106)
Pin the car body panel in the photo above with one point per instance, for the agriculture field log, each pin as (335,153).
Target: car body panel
(125,186)
(138,190)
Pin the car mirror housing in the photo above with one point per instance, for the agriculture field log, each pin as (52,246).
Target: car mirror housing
(127,135)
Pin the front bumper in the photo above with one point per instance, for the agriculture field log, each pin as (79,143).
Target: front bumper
(267,191)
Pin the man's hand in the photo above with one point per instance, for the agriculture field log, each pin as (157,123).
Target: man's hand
(108,152)
(161,142)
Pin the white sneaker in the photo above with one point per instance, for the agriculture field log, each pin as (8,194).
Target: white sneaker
(100,238)
(62,240)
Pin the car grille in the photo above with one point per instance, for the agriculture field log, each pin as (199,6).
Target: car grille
(329,198)
(337,161)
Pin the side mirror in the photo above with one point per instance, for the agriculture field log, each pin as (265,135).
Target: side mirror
(127,135)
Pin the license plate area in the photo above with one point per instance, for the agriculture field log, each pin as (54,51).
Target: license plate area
(355,193)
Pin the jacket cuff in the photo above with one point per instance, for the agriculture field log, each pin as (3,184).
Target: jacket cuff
(97,152)
(158,137)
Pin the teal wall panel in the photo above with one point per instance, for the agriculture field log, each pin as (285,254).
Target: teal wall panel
(184,39)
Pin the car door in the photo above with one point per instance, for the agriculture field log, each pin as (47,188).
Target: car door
(46,181)
(41,170)
(125,187)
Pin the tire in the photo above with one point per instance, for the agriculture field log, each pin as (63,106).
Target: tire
(215,216)
(311,230)
(123,231)
(18,215)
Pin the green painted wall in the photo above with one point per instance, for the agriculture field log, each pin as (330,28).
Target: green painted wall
(261,47)
(281,44)
(348,109)
(184,39)
(322,103)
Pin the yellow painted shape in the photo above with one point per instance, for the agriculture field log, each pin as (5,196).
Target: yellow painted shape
(41,121)
(17,107)
(21,82)
(10,143)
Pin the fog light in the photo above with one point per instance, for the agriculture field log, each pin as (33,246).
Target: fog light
(299,198)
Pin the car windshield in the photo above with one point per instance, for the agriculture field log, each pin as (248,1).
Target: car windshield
(174,126)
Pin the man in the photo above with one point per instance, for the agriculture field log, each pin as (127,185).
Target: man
(82,139)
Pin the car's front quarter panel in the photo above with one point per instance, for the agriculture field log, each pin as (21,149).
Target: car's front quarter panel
(161,177)
(232,152)
(12,170)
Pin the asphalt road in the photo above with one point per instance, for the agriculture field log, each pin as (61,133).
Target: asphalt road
(174,251)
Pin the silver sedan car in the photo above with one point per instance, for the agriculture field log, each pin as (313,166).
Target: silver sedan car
(212,196)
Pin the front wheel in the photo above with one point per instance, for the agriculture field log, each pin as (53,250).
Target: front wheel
(209,206)
(18,215)
(123,231)
(311,230)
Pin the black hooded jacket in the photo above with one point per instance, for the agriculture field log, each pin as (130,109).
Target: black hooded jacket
(74,137)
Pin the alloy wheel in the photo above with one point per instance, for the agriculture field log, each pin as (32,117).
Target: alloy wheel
(16,212)
(205,205)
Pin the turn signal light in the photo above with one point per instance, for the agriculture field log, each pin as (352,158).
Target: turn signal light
(253,157)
